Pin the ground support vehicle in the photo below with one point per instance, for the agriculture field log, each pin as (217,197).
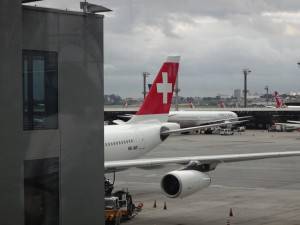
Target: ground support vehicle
(112,211)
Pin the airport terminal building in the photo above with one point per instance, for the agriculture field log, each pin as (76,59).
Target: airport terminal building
(51,134)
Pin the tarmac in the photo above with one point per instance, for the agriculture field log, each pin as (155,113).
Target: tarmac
(259,192)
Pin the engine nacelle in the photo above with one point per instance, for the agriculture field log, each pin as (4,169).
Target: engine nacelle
(171,126)
(181,183)
(168,126)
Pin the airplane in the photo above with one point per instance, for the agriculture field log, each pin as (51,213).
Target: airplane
(280,103)
(125,143)
(148,127)
(291,125)
(197,118)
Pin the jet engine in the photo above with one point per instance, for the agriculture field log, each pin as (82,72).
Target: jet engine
(171,126)
(181,183)
(168,126)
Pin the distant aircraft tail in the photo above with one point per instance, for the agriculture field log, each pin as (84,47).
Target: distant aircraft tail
(191,105)
(278,100)
(221,104)
(158,101)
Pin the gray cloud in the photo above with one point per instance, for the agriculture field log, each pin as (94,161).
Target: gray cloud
(216,40)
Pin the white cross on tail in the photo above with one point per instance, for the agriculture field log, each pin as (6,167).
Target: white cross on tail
(164,87)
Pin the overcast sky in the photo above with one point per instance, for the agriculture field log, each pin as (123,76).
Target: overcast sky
(216,40)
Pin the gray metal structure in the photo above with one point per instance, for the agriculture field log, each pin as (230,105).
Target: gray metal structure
(245,72)
(145,75)
(177,90)
(78,142)
(267,93)
(93,8)
(27,1)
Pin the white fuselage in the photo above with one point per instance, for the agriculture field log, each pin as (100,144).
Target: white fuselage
(196,118)
(130,141)
(293,107)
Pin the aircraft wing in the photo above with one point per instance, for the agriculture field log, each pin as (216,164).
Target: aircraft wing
(128,116)
(228,120)
(111,166)
(293,121)
(188,129)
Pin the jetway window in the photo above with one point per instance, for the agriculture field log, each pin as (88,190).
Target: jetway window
(40,90)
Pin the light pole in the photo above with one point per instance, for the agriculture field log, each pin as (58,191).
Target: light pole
(145,75)
(176,95)
(246,72)
(267,90)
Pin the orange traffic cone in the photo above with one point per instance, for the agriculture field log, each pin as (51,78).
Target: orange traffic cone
(154,205)
(165,206)
(228,222)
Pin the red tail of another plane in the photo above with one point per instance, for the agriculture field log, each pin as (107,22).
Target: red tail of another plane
(158,101)
(278,100)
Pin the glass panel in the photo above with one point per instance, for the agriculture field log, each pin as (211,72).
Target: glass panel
(25,85)
(38,78)
(41,191)
(51,86)
(38,70)
(40,90)
(27,93)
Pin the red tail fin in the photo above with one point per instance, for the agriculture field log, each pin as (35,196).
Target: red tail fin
(221,104)
(279,102)
(159,98)
(191,105)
